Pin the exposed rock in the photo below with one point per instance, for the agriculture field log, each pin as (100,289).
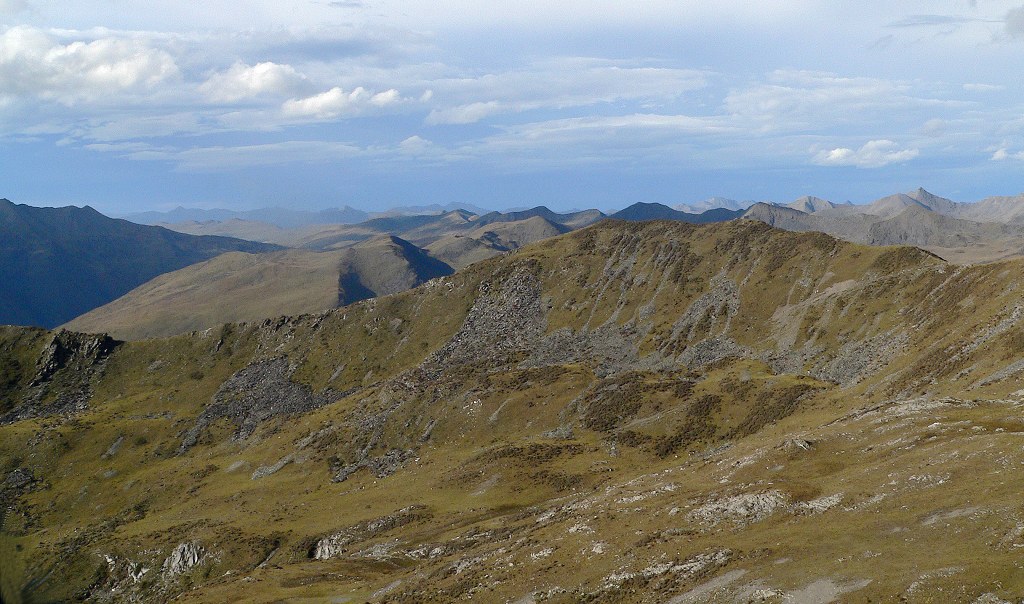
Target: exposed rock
(712,350)
(819,505)
(381,467)
(183,557)
(62,383)
(255,394)
(855,360)
(264,471)
(18,481)
(741,509)
(506,318)
(335,545)
(113,448)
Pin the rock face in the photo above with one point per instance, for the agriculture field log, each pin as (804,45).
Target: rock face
(255,394)
(506,319)
(334,545)
(63,375)
(183,557)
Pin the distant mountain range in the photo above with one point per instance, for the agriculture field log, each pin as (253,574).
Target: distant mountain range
(74,260)
(712,203)
(57,263)
(987,230)
(656,211)
(286,218)
(281,217)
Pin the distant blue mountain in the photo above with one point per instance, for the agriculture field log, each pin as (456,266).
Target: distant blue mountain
(282,217)
(656,211)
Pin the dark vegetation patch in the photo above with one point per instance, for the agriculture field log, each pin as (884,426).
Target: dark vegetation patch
(770,406)
(697,426)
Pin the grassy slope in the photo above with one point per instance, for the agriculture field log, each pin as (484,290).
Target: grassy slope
(229,288)
(509,511)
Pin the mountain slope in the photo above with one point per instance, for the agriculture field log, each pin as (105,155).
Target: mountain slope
(57,263)
(232,287)
(239,287)
(810,205)
(712,203)
(631,412)
(384,265)
(952,238)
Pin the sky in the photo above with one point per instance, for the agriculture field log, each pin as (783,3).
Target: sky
(129,105)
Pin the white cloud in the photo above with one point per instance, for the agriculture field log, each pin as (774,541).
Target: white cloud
(465,114)
(415,145)
(218,158)
(12,7)
(970,87)
(812,100)
(1015,22)
(243,81)
(336,103)
(34,65)
(558,84)
(1004,154)
(874,154)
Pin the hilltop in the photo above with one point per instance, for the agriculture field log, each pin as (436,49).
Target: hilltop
(631,412)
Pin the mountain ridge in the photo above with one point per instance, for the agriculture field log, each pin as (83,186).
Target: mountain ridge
(69,260)
(660,400)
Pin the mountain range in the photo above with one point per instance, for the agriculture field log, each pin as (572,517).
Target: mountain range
(57,263)
(435,244)
(984,231)
(380,256)
(629,412)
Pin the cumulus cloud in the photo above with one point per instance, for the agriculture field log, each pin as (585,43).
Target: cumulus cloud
(336,103)
(243,81)
(1004,154)
(34,65)
(874,154)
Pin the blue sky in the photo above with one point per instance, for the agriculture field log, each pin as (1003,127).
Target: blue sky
(128,105)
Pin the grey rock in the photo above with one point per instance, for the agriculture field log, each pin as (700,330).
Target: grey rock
(184,557)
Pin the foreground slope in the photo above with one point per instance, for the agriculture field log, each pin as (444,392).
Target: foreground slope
(57,263)
(628,413)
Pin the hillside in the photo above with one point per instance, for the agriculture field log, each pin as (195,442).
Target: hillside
(632,412)
(252,287)
(57,263)
(384,265)
(232,287)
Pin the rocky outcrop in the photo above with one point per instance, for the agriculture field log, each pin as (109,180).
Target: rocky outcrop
(507,318)
(184,557)
(62,382)
(336,544)
(255,394)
